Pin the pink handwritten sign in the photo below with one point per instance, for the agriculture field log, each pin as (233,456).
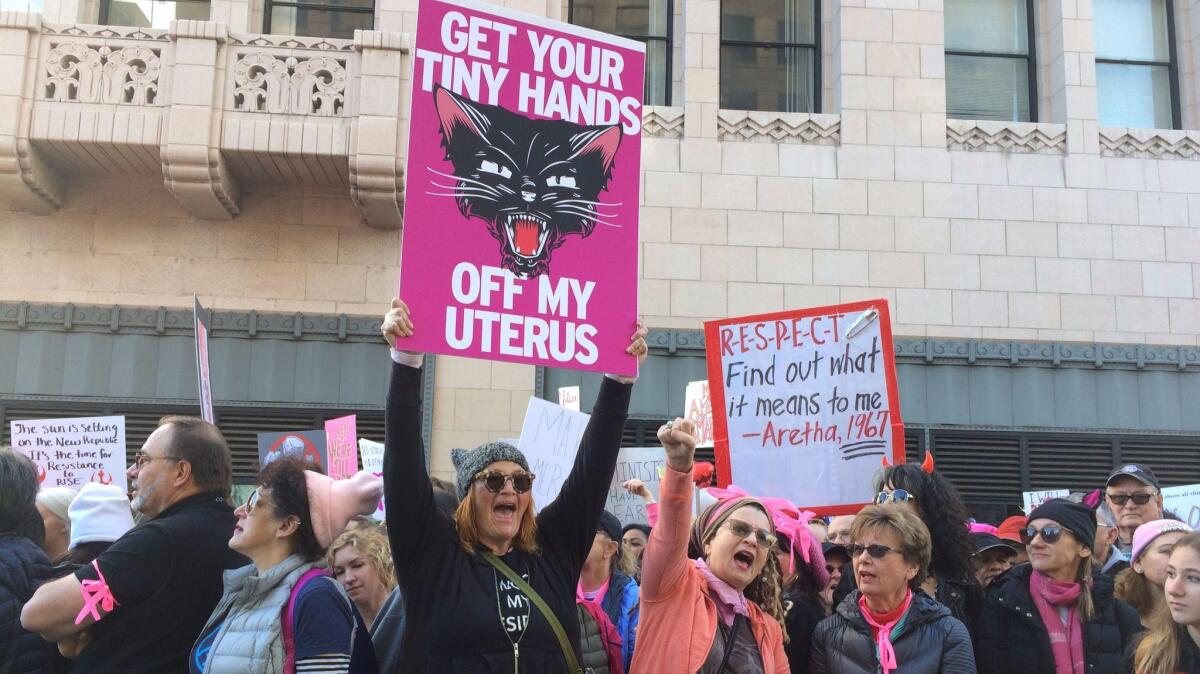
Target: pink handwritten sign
(521,206)
(341,445)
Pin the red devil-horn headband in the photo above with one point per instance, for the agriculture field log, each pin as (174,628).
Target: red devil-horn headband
(926,466)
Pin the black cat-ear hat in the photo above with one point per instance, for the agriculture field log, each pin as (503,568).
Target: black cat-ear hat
(1076,518)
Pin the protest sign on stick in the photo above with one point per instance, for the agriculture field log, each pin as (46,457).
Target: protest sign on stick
(203,374)
(697,408)
(549,440)
(805,403)
(1034,499)
(1184,501)
(307,445)
(640,463)
(340,434)
(73,452)
(521,211)
(568,397)
(372,462)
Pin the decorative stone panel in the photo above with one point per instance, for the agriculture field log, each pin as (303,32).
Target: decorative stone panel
(964,134)
(779,127)
(88,74)
(27,179)
(267,83)
(662,121)
(1149,143)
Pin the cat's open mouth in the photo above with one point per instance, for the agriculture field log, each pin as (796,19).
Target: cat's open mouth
(526,233)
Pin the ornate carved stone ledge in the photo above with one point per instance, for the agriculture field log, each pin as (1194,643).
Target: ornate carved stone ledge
(1149,143)
(662,121)
(1042,138)
(779,127)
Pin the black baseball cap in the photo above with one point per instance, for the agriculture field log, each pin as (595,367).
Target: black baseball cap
(610,525)
(828,548)
(1139,471)
(984,541)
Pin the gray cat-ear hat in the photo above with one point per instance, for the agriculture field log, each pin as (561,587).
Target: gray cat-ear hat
(468,462)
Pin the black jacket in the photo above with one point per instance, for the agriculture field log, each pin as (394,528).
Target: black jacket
(962,596)
(453,623)
(1011,636)
(930,642)
(802,613)
(23,566)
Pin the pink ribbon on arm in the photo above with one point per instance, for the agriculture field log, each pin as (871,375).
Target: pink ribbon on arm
(786,516)
(95,593)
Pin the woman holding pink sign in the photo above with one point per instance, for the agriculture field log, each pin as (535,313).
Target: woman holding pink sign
(493,588)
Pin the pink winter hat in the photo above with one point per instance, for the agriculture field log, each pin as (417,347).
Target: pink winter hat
(331,503)
(1144,535)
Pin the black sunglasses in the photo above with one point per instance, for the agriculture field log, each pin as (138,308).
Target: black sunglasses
(894,496)
(494,480)
(1121,499)
(1049,534)
(878,550)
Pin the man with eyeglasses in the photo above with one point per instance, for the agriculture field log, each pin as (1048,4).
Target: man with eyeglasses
(1133,493)
(140,605)
(1109,560)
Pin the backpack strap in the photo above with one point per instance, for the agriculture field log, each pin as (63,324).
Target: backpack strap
(563,642)
(289,618)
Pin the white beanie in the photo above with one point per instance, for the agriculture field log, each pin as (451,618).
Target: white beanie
(99,513)
(57,500)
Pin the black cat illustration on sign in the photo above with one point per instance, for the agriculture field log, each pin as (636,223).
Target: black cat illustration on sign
(535,182)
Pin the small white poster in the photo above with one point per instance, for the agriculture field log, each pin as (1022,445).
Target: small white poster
(697,408)
(371,453)
(568,397)
(641,463)
(72,452)
(1034,499)
(549,440)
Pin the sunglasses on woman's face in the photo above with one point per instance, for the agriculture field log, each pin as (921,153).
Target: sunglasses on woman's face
(494,480)
(1050,534)
(894,496)
(878,550)
(764,538)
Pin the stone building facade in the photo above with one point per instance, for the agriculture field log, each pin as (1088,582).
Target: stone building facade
(265,173)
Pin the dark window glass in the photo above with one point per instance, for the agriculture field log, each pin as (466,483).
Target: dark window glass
(325,18)
(1135,63)
(989,60)
(647,21)
(770,55)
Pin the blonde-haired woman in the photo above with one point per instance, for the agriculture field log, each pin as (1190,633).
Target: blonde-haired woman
(1141,585)
(888,624)
(361,560)
(466,581)
(721,610)
(1052,615)
(1172,646)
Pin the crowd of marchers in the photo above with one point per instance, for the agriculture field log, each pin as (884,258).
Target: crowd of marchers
(468,577)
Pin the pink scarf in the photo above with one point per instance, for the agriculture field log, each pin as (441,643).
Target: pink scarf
(1066,640)
(883,630)
(729,601)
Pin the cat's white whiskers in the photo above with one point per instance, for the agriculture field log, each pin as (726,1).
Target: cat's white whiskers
(465,180)
(461,196)
(589,216)
(590,203)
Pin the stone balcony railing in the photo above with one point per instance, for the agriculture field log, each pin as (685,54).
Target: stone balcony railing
(211,111)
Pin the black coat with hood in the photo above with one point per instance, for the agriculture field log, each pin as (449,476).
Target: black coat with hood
(1011,637)
(23,567)
(931,641)
(451,597)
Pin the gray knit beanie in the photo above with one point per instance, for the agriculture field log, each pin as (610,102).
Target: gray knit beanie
(468,462)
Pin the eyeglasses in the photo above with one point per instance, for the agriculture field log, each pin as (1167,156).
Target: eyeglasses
(1141,498)
(140,459)
(878,550)
(494,480)
(1049,534)
(252,501)
(763,537)
(894,496)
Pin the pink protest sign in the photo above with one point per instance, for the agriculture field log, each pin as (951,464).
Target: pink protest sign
(521,202)
(341,443)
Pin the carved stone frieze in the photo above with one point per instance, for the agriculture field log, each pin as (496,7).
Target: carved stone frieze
(266,82)
(1006,136)
(1150,143)
(662,122)
(86,73)
(27,181)
(779,127)
(292,42)
(120,32)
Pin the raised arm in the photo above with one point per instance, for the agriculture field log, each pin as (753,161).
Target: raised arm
(665,558)
(415,526)
(568,525)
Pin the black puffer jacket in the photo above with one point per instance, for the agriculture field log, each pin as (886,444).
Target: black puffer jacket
(23,566)
(962,596)
(931,641)
(1011,636)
